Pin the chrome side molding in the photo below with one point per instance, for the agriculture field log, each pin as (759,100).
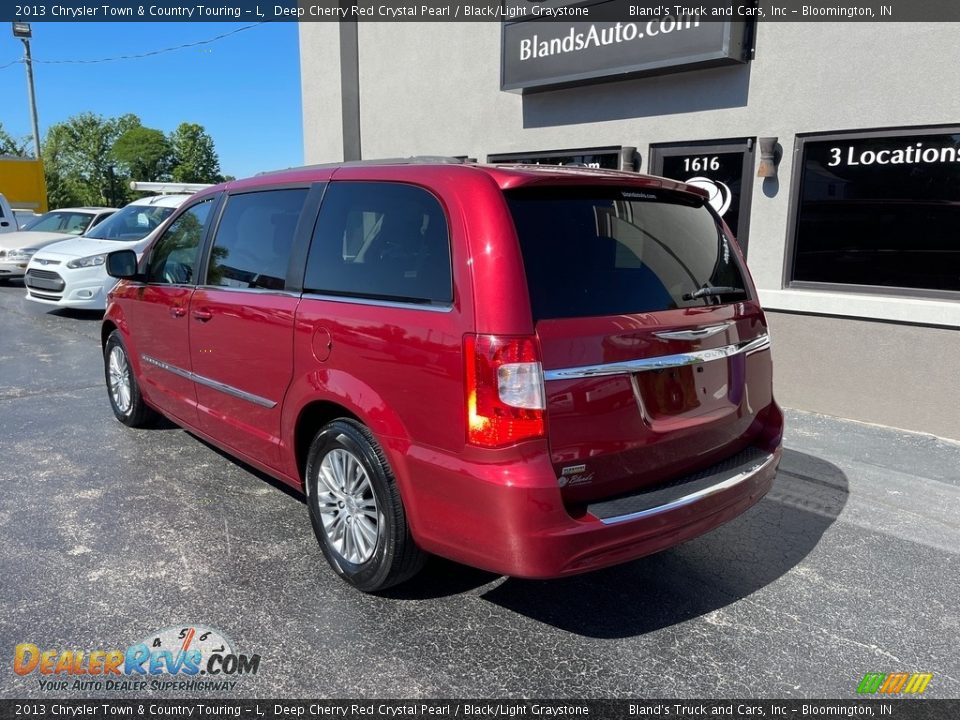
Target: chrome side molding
(660,362)
(353,300)
(200,379)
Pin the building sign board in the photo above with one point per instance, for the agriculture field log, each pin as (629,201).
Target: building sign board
(539,55)
(608,158)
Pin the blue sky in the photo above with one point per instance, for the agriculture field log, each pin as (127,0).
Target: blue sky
(244,89)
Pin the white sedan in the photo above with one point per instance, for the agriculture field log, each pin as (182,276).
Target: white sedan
(72,273)
(16,248)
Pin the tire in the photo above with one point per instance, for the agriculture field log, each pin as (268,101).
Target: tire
(356,509)
(122,388)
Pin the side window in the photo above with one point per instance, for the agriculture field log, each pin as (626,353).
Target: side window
(75,223)
(99,219)
(254,239)
(380,240)
(173,260)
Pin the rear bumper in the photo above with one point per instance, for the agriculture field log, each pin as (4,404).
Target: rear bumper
(514,522)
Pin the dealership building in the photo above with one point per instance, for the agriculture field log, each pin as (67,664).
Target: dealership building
(832,149)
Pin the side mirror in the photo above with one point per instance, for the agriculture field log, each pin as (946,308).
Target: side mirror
(122,264)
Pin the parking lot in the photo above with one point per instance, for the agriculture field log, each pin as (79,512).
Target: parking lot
(111,535)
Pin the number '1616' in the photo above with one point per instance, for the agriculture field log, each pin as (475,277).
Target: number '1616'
(697,164)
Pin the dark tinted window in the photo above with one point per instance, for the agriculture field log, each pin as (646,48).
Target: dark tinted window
(380,240)
(254,238)
(173,259)
(880,211)
(721,174)
(612,252)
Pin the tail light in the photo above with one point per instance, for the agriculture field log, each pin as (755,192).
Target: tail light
(504,386)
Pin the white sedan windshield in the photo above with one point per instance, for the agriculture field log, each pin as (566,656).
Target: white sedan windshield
(59,221)
(131,223)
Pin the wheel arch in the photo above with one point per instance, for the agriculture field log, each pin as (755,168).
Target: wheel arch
(313,416)
(106,329)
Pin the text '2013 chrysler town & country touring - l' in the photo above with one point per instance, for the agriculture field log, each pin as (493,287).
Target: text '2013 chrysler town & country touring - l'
(535,371)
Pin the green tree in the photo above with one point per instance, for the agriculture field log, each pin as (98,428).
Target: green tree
(194,157)
(78,155)
(126,122)
(60,192)
(10,145)
(143,153)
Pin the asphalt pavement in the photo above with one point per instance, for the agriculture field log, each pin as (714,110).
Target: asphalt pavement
(110,535)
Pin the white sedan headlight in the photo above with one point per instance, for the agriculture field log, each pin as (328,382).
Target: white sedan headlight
(21,255)
(88,261)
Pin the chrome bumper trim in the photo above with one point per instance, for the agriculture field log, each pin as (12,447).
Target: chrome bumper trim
(694,496)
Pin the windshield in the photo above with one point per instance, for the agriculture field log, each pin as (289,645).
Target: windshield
(591,252)
(59,221)
(25,219)
(132,223)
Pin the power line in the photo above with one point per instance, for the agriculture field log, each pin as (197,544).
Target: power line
(140,55)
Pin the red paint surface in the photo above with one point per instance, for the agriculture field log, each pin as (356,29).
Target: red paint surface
(401,372)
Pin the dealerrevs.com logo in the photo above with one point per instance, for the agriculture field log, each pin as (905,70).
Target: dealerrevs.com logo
(894,683)
(188,658)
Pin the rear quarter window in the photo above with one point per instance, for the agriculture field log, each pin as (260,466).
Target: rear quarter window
(596,252)
(384,241)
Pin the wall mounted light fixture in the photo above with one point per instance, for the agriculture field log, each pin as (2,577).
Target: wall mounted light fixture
(770,154)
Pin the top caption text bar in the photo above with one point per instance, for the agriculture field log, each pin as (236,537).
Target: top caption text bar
(476,11)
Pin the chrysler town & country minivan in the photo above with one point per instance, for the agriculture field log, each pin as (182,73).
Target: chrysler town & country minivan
(535,371)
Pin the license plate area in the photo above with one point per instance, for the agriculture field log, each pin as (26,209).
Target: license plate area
(688,391)
(44,283)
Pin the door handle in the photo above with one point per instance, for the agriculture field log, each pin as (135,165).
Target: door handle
(177,311)
(202,315)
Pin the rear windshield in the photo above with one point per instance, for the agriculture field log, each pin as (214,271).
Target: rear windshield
(590,252)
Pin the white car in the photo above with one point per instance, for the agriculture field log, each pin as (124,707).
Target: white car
(72,273)
(8,221)
(16,248)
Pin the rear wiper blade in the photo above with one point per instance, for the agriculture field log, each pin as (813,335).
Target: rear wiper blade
(711,291)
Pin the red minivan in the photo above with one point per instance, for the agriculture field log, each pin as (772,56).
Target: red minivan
(537,371)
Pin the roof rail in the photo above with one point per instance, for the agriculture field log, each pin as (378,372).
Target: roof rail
(167,188)
(411,160)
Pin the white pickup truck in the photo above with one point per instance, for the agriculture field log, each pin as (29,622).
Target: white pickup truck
(8,221)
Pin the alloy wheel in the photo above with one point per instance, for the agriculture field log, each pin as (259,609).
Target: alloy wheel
(120,390)
(348,507)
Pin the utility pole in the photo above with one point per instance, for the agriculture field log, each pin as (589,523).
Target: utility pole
(22,30)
